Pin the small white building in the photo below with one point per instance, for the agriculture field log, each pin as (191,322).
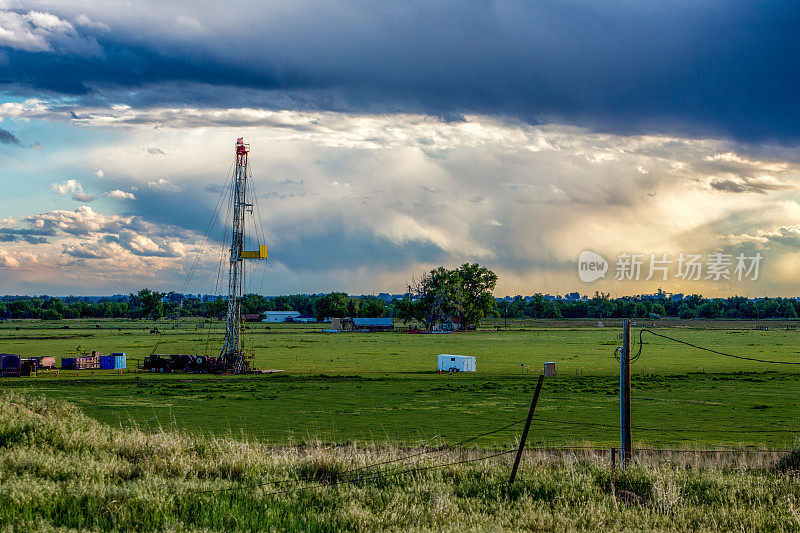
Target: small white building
(279,316)
(456,363)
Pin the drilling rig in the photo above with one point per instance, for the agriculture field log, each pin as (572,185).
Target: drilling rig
(232,357)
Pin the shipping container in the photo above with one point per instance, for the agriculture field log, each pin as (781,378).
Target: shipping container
(10,365)
(67,363)
(106,362)
(87,362)
(120,361)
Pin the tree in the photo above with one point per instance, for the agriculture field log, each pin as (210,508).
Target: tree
(216,308)
(465,292)
(147,304)
(371,307)
(476,300)
(50,314)
(332,305)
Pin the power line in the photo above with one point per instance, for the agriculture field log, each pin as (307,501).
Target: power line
(641,331)
(392,473)
(399,459)
(665,430)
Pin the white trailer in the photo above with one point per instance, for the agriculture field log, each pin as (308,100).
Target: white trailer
(456,363)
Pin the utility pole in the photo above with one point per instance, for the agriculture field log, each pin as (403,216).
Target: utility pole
(625,395)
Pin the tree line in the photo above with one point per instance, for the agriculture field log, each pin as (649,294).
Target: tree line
(464,292)
(694,306)
(147,304)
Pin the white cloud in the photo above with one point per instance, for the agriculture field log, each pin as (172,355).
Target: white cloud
(121,195)
(93,249)
(38,31)
(84,21)
(31,108)
(82,221)
(163,185)
(100,173)
(69,186)
(74,187)
(7,260)
(18,31)
(140,244)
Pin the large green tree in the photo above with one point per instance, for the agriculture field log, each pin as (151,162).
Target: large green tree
(146,304)
(476,300)
(465,292)
(332,305)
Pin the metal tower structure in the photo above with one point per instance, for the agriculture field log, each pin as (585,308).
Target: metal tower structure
(232,355)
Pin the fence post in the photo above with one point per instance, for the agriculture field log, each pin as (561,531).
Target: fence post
(613,458)
(525,431)
(625,395)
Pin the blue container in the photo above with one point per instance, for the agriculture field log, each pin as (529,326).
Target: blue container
(67,363)
(10,365)
(120,361)
(106,362)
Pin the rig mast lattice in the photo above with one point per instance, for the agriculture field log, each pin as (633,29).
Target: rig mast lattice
(232,355)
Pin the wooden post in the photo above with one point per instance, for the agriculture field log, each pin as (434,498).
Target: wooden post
(625,395)
(525,431)
(613,458)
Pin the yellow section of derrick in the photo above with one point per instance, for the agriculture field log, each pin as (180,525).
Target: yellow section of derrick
(261,253)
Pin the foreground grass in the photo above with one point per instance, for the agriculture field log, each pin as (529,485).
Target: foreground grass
(61,469)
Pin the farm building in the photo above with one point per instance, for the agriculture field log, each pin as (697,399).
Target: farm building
(456,363)
(280,316)
(372,324)
(452,323)
(362,324)
(252,318)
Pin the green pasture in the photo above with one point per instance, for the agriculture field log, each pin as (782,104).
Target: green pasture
(382,387)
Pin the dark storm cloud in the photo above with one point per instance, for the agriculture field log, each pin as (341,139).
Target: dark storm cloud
(691,68)
(6,137)
(307,246)
(340,249)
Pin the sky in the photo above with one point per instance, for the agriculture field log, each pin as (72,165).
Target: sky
(388,139)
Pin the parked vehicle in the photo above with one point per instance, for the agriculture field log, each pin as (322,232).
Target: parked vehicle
(157,363)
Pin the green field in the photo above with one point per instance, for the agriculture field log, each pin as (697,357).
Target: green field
(382,387)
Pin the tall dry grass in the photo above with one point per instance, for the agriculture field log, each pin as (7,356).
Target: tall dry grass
(60,469)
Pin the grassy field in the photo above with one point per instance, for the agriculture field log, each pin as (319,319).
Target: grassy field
(364,388)
(62,470)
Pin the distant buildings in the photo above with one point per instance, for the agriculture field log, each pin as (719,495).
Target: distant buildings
(362,324)
(280,316)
